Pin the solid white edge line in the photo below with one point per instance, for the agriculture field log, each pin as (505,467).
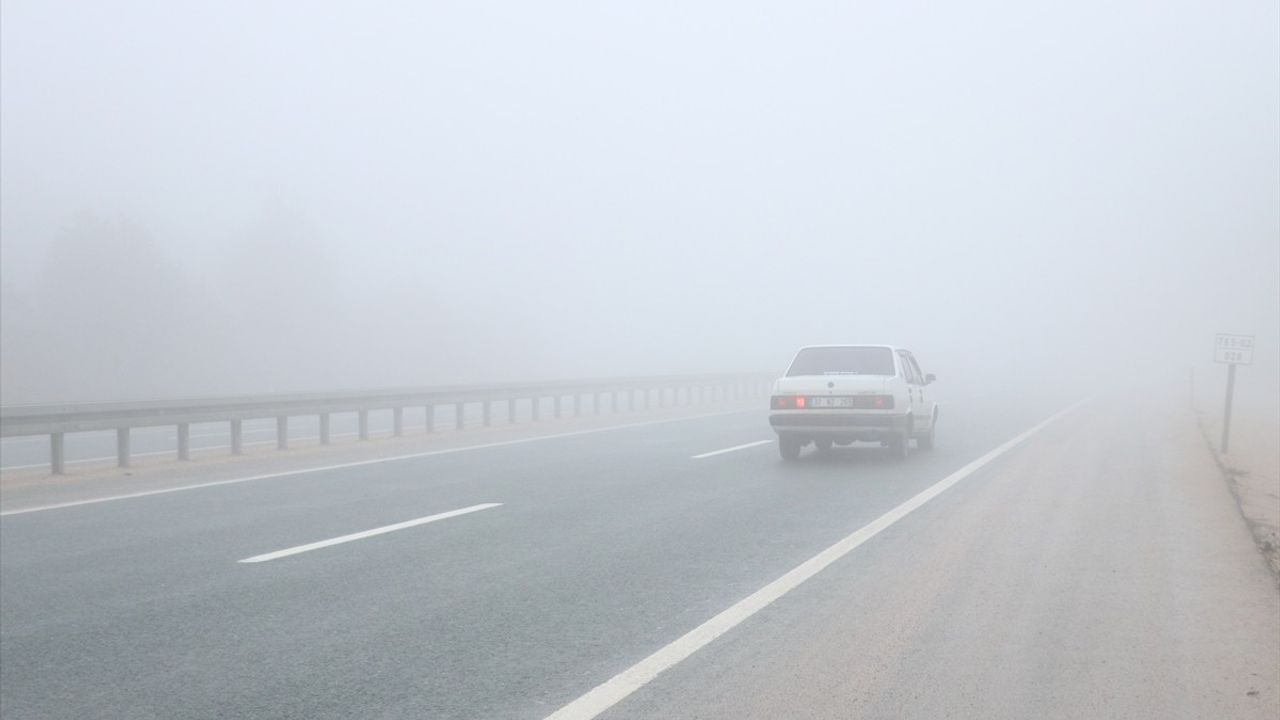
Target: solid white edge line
(367,533)
(361,463)
(713,453)
(617,688)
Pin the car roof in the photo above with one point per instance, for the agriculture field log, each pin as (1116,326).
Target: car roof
(852,345)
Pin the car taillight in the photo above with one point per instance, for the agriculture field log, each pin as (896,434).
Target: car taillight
(883,402)
(787,402)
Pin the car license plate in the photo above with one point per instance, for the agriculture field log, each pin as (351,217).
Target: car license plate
(831,402)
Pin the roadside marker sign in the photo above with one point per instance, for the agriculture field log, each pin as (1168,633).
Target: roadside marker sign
(1233,349)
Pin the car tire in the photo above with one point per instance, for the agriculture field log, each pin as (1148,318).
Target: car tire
(823,445)
(789,448)
(925,442)
(900,445)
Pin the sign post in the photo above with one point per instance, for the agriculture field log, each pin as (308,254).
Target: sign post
(1233,350)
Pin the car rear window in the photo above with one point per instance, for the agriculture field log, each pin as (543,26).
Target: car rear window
(842,360)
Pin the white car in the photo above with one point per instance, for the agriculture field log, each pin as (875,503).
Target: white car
(838,394)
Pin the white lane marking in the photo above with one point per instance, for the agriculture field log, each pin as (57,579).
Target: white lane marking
(367,533)
(713,453)
(625,683)
(360,463)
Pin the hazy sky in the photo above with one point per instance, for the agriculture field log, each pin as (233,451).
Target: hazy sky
(470,190)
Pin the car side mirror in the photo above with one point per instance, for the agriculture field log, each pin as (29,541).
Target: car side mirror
(929,378)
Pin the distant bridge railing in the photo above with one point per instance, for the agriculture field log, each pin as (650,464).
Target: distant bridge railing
(55,420)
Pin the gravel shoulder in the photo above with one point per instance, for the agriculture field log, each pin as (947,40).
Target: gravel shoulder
(1251,467)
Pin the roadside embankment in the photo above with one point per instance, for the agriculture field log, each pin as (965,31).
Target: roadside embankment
(1251,464)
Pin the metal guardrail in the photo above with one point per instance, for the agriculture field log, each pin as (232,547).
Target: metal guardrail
(55,420)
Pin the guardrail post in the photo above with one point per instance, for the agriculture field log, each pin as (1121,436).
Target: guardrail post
(615,403)
(431,418)
(556,403)
(122,447)
(486,411)
(458,416)
(535,404)
(324,429)
(595,403)
(237,437)
(577,404)
(57,453)
(397,421)
(184,441)
(511,410)
(645,392)
(364,424)
(282,432)
(662,397)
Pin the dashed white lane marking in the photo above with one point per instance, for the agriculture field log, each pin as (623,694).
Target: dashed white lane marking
(628,681)
(367,533)
(713,453)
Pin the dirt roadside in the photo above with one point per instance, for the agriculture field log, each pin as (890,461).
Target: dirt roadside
(1251,466)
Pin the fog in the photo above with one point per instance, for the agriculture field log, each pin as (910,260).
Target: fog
(251,197)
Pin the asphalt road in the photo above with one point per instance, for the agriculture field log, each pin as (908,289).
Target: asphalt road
(1092,569)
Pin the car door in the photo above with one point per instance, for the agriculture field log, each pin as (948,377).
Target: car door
(915,389)
(924,410)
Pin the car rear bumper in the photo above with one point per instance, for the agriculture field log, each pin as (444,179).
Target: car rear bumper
(839,425)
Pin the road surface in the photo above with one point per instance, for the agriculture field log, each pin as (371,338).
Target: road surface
(1080,567)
